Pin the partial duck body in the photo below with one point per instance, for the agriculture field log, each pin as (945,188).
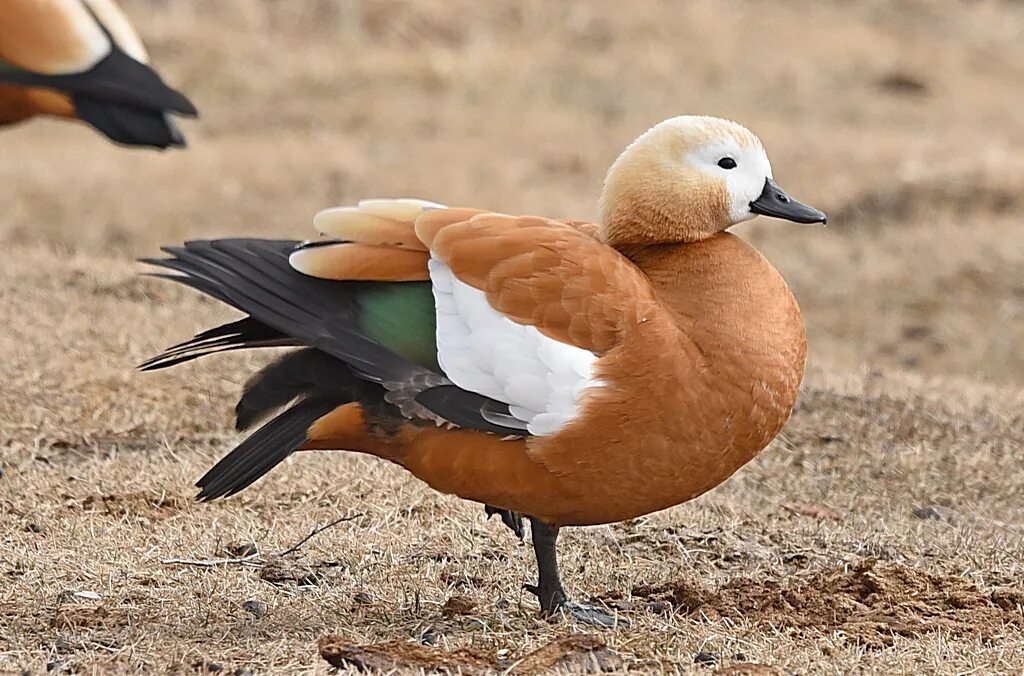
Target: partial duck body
(82,59)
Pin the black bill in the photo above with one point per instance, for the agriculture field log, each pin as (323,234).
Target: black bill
(775,202)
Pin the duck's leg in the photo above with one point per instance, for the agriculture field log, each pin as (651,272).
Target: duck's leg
(511,519)
(548,589)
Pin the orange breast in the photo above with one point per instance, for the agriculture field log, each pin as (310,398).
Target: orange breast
(689,399)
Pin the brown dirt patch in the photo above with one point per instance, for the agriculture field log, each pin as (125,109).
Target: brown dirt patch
(870,603)
(749,669)
(145,504)
(299,571)
(74,617)
(458,605)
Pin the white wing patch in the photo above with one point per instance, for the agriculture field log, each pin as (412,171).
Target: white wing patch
(482,350)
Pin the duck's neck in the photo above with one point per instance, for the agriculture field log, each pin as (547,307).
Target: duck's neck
(724,294)
(632,217)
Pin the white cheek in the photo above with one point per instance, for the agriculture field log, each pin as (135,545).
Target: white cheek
(743,189)
(745,185)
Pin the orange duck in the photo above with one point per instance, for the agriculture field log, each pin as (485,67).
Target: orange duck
(82,59)
(572,372)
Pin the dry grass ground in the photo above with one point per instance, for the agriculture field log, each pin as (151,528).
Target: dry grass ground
(883,531)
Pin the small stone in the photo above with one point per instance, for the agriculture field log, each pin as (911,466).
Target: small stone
(903,83)
(207,666)
(242,671)
(659,607)
(257,608)
(243,549)
(363,598)
(428,637)
(705,659)
(927,512)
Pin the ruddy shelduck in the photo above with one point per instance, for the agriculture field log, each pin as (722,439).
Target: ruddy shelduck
(82,59)
(575,373)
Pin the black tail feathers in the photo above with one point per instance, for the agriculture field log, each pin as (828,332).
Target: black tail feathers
(130,125)
(303,373)
(317,384)
(263,450)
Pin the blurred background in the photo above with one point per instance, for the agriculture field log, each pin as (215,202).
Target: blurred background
(902,120)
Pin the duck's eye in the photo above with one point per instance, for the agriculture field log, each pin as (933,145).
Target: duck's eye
(727,163)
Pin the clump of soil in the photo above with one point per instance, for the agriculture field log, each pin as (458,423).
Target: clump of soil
(578,653)
(75,617)
(870,602)
(458,605)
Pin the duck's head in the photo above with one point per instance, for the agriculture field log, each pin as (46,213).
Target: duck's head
(688,178)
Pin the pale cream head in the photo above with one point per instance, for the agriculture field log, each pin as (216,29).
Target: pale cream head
(684,180)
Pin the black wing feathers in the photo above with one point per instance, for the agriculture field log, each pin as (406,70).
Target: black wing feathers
(242,334)
(470,410)
(116,78)
(253,275)
(129,125)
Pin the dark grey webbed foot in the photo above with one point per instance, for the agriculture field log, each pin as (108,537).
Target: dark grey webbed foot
(554,601)
(592,615)
(548,589)
(511,519)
